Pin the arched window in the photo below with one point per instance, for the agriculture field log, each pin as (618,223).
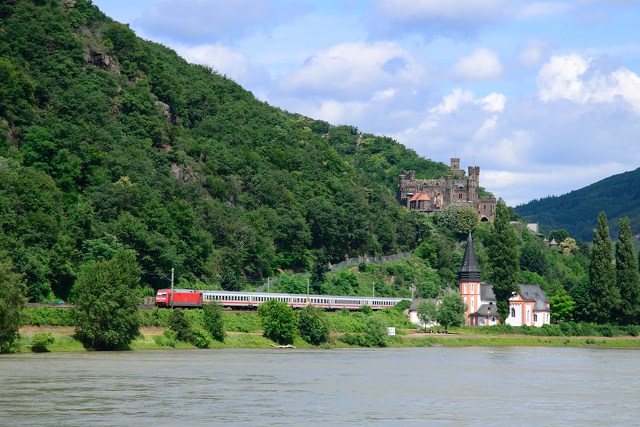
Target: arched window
(513,312)
(535,317)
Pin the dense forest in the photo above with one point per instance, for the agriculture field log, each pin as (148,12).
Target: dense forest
(618,196)
(108,141)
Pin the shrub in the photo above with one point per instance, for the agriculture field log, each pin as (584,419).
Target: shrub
(179,324)
(365,309)
(200,339)
(41,341)
(167,339)
(212,321)
(313,325)
(375,332)
(278,321)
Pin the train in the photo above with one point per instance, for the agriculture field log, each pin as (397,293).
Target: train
(190,298)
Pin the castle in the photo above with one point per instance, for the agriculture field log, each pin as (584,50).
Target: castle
(433,195)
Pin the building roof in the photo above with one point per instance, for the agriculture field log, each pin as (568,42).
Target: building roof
(486,310)
(486,292)
(535,293)
(415,303)
(469,270)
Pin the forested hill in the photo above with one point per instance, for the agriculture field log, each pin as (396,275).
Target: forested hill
(618,196)
(110,141)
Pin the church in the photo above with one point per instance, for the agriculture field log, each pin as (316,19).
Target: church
(529,306)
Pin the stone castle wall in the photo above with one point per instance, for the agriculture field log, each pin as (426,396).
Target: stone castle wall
(433,195)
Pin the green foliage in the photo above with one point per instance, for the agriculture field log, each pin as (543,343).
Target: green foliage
(604,296)
(279,322)
(375,332)
(12,301)
(107,135)
(213,321)
(181,326)
(627,276)
(107,297)
(458,218)
(451,310)
(427,312)
(41,341)
(313,325)
(503,256)
(562,306)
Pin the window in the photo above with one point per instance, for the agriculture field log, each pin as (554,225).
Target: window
(535,317)
(513,312)
(472,288)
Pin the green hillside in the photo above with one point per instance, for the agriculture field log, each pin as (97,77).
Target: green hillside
(109,141)
(576,212)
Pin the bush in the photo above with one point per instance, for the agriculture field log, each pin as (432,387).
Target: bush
(167,339)
(212,321)
(41,341)
(278,321)
(200,339)
(179,324)
(313,325)
(375,332)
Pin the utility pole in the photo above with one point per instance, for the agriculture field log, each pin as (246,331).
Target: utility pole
(373,290)
(171,287)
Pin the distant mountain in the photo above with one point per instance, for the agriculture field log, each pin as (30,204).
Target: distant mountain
(618,196)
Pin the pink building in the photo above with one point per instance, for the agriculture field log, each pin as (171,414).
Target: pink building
(529,306)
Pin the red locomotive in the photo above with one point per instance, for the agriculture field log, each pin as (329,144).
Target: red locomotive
(179,298)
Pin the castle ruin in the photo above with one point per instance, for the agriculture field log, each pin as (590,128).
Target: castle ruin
(433,195)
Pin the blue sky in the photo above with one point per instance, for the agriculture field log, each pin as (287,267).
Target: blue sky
(543,96)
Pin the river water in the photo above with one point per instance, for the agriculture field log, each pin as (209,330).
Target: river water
(416,386)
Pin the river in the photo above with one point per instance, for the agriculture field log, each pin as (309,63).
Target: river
(394,386)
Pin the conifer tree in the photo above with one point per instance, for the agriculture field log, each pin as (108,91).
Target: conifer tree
(503,258)
(627,275)
(604,295)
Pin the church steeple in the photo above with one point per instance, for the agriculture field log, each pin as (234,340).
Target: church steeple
(469,271)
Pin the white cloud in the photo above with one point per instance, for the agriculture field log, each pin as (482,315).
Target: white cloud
(494,102)
(224,60)
(460,10)
(204,20)
(451,103)
(481,64)
(533,54)
(355,71)
(573,78)
(539,9)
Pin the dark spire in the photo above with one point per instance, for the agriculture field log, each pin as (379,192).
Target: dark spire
(469,272)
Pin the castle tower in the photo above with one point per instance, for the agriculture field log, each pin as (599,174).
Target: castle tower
(455,163)
(469,279)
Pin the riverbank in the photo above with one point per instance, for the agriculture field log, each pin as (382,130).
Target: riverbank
(64,341)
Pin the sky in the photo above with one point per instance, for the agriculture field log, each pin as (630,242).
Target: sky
(543,96)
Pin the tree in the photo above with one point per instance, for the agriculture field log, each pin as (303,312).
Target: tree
(458,218)
(107,296)
(213,321)
(427,312)
(12,300)
(503,258)
(604,295)
(313,325)
(562,306)
(627,275)
(568,246)
(451,310)
(319,269)
(278,321)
